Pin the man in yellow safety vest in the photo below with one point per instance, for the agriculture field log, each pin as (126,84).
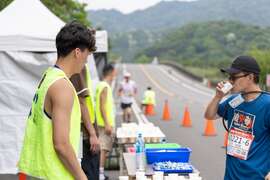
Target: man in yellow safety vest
(52,134)
(90,159)
(105,114)
(149,98)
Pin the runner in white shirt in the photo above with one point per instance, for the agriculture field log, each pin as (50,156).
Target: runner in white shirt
(126,92)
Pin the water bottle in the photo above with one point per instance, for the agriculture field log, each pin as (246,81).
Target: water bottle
(140,160)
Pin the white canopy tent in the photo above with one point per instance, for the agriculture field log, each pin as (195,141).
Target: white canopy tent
(27,48)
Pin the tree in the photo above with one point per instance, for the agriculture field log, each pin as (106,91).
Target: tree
(143,59)
(67,10)
(4,3)
(213,43)
(262,56)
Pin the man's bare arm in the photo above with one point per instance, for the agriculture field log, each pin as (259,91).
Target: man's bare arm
(88,125)
(103,99)
(61,97)
(212,108)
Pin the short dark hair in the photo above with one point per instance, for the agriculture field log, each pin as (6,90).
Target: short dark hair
(107,69)
(149,88)
(74,35)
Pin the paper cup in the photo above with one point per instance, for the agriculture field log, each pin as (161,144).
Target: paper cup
(157,177)
(159,173)
(194,175)
(173,176)
(123,178)
(140,175)
(181,178)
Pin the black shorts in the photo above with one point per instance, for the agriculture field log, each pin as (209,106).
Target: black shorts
(125,106)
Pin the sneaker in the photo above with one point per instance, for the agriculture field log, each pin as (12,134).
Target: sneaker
(102,177)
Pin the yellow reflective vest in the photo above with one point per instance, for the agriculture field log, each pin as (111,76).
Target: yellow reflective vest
(38,157)
(149,97)
(109,105)
(90,99)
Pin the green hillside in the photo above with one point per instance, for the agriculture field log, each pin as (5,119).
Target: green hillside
(171,14)
(211,44)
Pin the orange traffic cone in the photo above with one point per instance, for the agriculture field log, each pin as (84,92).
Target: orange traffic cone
(186,121)
(166,113)
(22,176)
(149,110)
(225,139)
(209,128)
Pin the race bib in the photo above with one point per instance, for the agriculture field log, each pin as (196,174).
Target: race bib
(241,135)
(239,144)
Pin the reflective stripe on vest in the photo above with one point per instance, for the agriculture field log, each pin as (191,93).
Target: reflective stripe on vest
(38,157)
(109,104)
(90,99)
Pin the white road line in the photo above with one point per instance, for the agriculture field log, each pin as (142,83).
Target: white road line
(176,79)
(169,75)
(164,90)
(113,83)
(176,74)
(195,89)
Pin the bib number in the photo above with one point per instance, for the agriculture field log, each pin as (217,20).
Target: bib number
(239,144)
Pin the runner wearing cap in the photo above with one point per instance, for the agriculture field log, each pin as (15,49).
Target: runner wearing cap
(126,92)
(247,112)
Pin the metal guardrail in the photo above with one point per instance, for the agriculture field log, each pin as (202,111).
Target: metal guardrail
(182,70)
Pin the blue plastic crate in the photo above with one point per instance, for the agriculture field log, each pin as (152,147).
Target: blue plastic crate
(162,155)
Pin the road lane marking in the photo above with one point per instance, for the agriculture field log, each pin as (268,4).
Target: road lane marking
(169,75)
(195,90)
(155,83)
(175,79)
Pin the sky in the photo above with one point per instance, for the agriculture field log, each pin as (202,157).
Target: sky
(125,6)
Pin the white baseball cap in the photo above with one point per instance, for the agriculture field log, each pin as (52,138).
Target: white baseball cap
(127,74)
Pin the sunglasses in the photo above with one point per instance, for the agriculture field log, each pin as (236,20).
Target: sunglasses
(234,78)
